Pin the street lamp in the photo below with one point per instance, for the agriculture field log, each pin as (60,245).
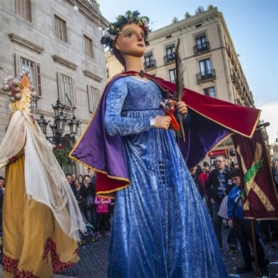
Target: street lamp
(58,108)
(43,124)
(58,126)
(73,125)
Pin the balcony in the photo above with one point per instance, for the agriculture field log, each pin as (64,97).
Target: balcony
(233,60)
(169,58)
(234,78)
(228,51)
(149,65)
(206,76)
(201,48)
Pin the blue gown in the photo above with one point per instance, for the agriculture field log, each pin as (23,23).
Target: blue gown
(160,227)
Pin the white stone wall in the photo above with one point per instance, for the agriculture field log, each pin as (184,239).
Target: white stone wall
(41,33)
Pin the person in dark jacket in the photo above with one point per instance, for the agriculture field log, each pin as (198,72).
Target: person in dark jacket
(71,182)
(269,228)
(89,189)
(242,228)
(194,175)
(217,186)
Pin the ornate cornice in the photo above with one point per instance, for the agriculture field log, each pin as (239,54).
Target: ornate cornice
(64,62)
(90,10)
(17,39)
(92,75)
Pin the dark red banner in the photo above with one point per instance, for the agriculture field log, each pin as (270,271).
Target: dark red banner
(260,199)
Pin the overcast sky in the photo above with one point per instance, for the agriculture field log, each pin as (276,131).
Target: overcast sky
(253,28)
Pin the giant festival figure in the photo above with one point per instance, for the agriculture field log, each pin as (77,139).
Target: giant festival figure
(160,226)
(41,219)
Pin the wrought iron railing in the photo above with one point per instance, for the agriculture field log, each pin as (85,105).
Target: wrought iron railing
(206,76)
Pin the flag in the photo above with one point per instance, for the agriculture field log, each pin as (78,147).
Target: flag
(259,197)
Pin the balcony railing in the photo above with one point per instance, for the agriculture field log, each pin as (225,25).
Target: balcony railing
(169,58)
(150,64)
(206,76)
(200,48)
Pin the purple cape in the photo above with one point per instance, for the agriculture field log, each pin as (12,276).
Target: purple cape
(96,149)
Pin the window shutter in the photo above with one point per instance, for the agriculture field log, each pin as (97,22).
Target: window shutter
(89,98)
(16,64)
(59,80)
(74,93)
(93,49)
(39,89)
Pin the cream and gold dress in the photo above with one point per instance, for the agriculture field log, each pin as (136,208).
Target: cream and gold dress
(41,218)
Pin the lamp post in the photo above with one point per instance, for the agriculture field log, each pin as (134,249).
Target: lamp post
(58,126)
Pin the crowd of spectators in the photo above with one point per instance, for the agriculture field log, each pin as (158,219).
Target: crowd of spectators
(218,181)
(213,182)
(97,211)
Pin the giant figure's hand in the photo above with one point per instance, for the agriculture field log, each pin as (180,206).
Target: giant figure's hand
(163,122)
(182,108)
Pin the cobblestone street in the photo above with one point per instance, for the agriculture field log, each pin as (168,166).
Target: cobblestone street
(93,263)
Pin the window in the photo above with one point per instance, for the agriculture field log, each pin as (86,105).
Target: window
(88,46)
(205,67)
(210,92)
(170,52)
(60,29)
(201,42)
(66,91)
(172,75)
(206,72)
(22,63)
(93,97)
(23,8)
(149,61)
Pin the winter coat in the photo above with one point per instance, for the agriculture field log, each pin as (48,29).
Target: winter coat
(102,204)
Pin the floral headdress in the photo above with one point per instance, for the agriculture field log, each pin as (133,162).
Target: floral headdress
(20,91)
(114,28)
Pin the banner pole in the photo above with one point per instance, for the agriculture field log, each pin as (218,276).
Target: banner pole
(254,246)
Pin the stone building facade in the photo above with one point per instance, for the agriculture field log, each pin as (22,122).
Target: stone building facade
(60,46)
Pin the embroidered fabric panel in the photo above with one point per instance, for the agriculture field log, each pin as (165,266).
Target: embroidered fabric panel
(11,265)
(162,171)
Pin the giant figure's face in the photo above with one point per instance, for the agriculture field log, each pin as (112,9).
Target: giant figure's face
(130,41)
